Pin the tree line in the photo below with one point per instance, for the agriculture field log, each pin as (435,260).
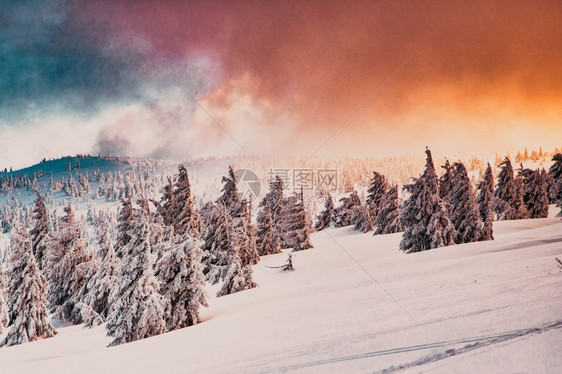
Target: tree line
(446,210)
(150,278)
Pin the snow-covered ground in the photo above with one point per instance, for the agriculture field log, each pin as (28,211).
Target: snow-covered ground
(355,303)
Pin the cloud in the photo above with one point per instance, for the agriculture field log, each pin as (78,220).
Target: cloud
(47,137)
(227,121)
(56,58)
(283,76)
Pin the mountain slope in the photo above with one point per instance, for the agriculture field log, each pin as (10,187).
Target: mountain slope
(355,303)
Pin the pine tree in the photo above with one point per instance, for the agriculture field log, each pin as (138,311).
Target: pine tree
(167,202)
(68,267)
(237,279)
(104,242)
(137,311)
(535,196)
(242,232)
(223,248)
(362,218)
(244,236)
(424,215)
(97,290)
(27,289)
(185,217)
(555,173)
(296,224)
(4,315)
(274,198)
(182,282)
(327,216)
(345,212)
(388,219)
(218,248)
(464,214)
(229,197)
(265,242)
(446,180)
(40,231)
(240,220)
(519,206)
(124,224)
(485,201)
(508,194)
(377,188)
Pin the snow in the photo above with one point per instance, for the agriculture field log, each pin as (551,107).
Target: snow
(356,304)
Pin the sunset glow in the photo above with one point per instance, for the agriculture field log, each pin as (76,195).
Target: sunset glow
(153,79)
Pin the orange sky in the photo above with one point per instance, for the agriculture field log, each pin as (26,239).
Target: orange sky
(478,67)
(481,75)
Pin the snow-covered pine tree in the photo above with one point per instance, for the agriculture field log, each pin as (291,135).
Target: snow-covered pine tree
(535,196)
(124,224)
(68,268)
(96,291)
(4,315)
(327,216)
(265,242)
(296,224)
(555,173)
(84,188)
(485,202)
(519,206)
(362,218)
(508,194)
(550,189)
(182,281)
(218,250)
(274,198)
(104,242)
(344,213)
(242,231)
(464,214)
(137,311)
(222,250)
(237,279)
(446,180)
(424,215)
(377,188)
(166,203)
(244,236)
(27,290)
(229,197)
(71,189)
(159,232)
(388,218)
(40,231)
(185,217)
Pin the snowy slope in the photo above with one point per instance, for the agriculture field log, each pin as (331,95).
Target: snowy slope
(356,304)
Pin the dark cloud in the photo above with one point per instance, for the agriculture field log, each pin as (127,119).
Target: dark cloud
(112,144)
(54,56)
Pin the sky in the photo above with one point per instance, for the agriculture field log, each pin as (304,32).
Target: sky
(189,79)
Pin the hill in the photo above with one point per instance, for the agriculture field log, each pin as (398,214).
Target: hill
(356,304)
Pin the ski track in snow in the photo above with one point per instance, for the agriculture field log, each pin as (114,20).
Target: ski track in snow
(470,344)
(475,343)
